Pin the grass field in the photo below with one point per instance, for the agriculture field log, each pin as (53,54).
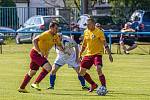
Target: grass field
(128,77)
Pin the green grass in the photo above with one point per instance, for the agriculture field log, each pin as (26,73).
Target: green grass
(128,77)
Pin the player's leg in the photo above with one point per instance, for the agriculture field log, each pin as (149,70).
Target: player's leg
(52,77)
(26,80)
(86,63)
(46,68)
(33,69)
(59,61)
(132,44)
(98,64)
(40,61)
(81,78)
(122,44)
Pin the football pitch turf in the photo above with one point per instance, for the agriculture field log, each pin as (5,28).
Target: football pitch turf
(128,77)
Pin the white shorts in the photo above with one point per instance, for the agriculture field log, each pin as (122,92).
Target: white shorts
(64,59)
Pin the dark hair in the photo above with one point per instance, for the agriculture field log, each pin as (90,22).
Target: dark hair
(53,23)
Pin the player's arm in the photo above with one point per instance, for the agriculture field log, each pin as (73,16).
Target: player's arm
(83,47)
(102,38)
(59,46)
(35,43)
(77,52)
(108,51)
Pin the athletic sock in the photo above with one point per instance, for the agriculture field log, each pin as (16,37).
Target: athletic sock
(41,76)
(52,80)
(88,78)
(82,80)
(26,80)
(102,80)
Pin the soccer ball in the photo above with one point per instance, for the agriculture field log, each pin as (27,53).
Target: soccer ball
(102,91)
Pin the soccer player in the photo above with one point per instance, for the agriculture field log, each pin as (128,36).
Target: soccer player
(39,54)
(70,57)
(94,43)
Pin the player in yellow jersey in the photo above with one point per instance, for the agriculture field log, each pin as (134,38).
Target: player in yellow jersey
(94,43)
(39,54)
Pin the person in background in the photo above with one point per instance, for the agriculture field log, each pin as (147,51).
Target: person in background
(127,38)
(98,25)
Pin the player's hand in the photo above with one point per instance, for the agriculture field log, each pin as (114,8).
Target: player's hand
(41,54)
(46,56)
(110,58)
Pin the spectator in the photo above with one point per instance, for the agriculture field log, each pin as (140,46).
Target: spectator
(127,39)
(98,25)
(135,24)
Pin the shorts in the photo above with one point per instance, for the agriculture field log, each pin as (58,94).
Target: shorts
(36,60)
(129,42)
(65,59)
(88,61)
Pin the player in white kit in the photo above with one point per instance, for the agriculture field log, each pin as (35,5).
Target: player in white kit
(70,57)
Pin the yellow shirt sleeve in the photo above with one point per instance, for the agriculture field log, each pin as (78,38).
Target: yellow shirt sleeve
(84,39)
(58,43)
(42,36)
(101,35)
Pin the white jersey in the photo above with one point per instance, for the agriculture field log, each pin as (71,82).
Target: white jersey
(64,58)
(68,45)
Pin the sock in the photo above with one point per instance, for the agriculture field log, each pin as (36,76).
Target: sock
(102,80)
(82,80)
(52,80)
(87,77)
(26,80)
(41,76)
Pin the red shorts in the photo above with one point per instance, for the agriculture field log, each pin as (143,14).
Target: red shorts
(88,61)
(36,60)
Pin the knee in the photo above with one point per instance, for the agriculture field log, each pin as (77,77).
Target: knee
(47,67)
(99,71)
(82,72)
(53,71)
(31,73)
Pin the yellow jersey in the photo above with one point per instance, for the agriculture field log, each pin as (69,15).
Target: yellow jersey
(47,41)
(94,41)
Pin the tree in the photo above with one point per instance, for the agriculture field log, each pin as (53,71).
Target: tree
(124,8)
(8,14)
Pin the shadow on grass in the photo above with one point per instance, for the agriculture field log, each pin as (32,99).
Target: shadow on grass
(132,94)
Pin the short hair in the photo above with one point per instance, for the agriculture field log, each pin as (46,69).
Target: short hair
(98,24)
(53,23)
(91,19)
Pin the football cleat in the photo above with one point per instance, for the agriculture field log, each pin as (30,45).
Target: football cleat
(85,87)
(51,87)
(22,90)
(36,86)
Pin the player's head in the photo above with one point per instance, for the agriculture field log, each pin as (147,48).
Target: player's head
(91,24)
(98,25)
(53,26)
(127,25)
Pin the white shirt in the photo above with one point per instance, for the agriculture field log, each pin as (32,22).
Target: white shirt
(68,45)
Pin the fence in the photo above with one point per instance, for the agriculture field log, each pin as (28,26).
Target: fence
(15,16)
(72,32)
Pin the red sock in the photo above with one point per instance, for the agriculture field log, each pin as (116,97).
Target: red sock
(41,76)
(88,79)
(102,80)
(26,80)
